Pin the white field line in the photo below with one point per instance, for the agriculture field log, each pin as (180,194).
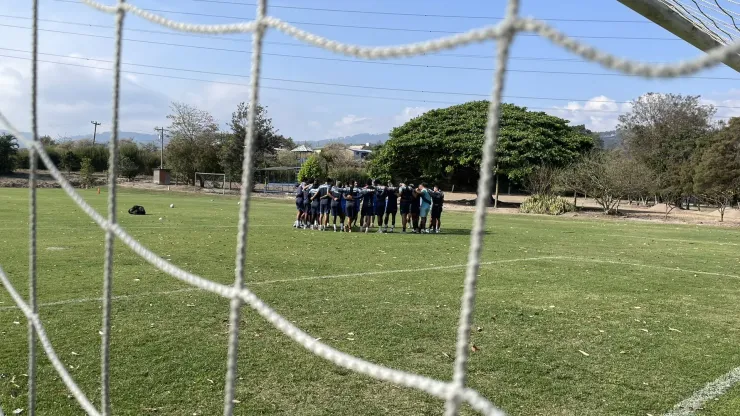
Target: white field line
(686,408)
(143,227)
(297,279)
(674,240)
(382,272)
(711,391)
(651,266)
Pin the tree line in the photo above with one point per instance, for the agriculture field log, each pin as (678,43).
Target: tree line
(671,151)
(81,155)
(196,144)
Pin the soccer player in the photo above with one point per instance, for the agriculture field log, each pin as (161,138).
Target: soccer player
(415,207)
(335,192)
(426,206)
(299,204)
(391,205)
(407,196)
(307,203)
(313,195)
(438,199)
(352,198)
(324,203)
(368,211)
(380,198)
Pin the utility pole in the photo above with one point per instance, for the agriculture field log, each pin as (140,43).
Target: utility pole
(95,130)
(161,147)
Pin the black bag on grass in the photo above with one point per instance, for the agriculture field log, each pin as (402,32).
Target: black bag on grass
(137,210)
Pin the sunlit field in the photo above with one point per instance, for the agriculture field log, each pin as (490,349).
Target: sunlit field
(573,317)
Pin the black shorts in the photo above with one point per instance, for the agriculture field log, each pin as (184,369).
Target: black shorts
(368,210)
(351,211)
(299,205)
(307,205)
(414,208)
(436,212)
(315,210)
(391,209)
(336,210)
(405,207)
(380,209)
(324,208)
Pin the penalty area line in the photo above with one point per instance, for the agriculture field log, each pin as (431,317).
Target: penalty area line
(709,392)
(297,279)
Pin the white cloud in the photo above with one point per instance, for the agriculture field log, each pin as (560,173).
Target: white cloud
(352,124)
(408,113)
(70,97)
(723,102)
(600,113)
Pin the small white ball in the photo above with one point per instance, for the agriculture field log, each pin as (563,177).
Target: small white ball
(172,205)
(238,202)
(160,218)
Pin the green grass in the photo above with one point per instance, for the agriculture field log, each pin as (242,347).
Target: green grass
(169,350)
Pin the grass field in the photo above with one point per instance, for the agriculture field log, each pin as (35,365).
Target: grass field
(656,308)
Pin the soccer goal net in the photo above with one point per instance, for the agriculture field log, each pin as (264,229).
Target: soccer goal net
(453,392)
(211,182)
(703,23)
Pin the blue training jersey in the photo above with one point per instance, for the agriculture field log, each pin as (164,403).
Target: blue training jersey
(313,193)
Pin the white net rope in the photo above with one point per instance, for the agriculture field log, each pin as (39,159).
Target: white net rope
(453,392)
(719,19)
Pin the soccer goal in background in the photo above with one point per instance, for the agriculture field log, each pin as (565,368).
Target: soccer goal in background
(211,182)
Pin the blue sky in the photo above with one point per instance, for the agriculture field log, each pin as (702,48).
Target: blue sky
(73,96)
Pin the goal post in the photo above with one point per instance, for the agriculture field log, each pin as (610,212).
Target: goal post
(672,16)
(210,181)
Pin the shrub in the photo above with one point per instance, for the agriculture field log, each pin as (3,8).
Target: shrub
(546,204)
(69,161)
(86,172)
(347,174)
(311,169)
(8,150)
(22,159)
(128,168)
(97,154)
(54,155)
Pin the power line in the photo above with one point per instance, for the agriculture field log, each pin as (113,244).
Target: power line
(310,91)
(395,29)
(371,87)
(366,62)
(272,6)
(299,45)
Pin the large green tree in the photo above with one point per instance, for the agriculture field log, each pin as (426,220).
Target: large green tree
(663,132)
(445,145)
(8,150)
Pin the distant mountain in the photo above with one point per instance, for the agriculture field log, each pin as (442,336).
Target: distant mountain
(610,139)
(105,136)
(361,138)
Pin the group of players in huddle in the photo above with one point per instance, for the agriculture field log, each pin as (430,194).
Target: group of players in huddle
(317,202)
